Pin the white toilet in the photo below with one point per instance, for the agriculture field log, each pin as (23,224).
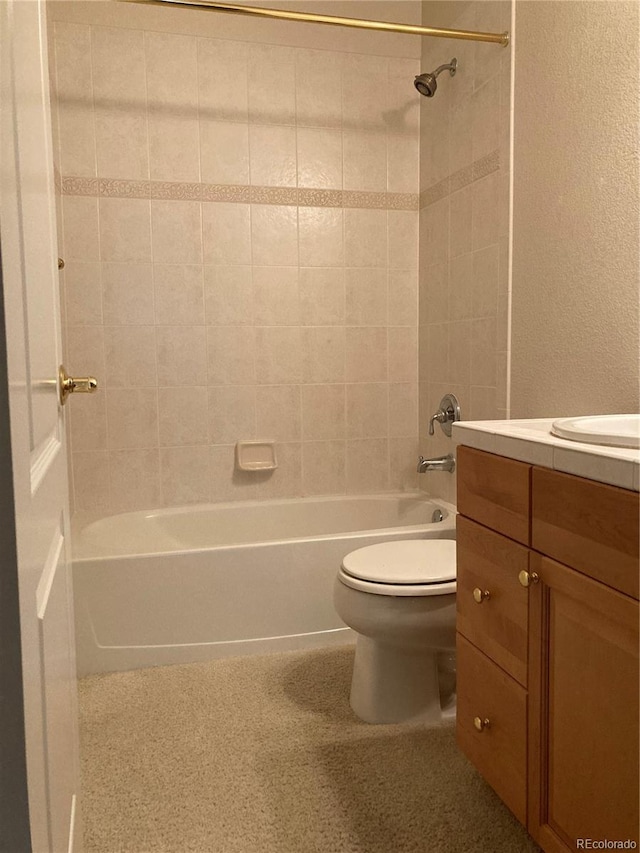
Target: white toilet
(400,598)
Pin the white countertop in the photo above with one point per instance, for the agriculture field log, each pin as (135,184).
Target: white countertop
(531,441)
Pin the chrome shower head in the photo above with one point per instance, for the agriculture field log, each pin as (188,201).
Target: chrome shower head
(426,83)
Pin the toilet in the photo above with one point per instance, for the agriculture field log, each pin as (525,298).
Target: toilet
(400,599)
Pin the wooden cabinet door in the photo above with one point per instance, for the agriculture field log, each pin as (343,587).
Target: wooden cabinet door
(491,725)
(497,622)
(583,691)
(496,492)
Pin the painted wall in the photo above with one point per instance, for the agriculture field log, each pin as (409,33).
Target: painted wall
(241,237)
(464,226)
(576,211)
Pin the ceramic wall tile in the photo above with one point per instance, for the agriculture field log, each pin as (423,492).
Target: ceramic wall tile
(367,465)
(365,160)
(178,294)
(132,418)
(182,416)
(272,155)
(228,295)
(272,87)
(275,296)
(403,239)
(134,479)
(322,296)
(366,297)
(323,354)
(365,235)
(120,98)
(127,294)
(222,80)
(403,353)
(224,152)
(403,297)
(177,232)
(226,232)
(130,356)
(323,467)
(184,475)
(83,294)
(278,355)
(318,88)
(364,91)
(286,480)
(232,413)
(231,355)
(181,355)
(319,158)
(323,412)
(278,412)
(274,235)
(320,237)
(75,98)
(403,409)
(81,231)
(125,230)
(366,355)
(367,410)
(241,241)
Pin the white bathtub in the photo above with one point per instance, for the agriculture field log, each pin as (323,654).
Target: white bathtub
(209,581)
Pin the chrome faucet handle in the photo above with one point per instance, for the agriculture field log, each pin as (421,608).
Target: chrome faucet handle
(447,414)
(440,416)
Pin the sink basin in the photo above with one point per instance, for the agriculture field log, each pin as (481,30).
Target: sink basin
(612,430)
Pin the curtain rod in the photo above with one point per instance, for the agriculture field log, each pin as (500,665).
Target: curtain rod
(334,20)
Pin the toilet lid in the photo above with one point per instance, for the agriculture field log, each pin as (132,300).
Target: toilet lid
(409,561)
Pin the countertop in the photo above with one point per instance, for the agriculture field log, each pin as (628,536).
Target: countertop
(531,441)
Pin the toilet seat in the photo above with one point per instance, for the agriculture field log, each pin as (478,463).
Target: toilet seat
(409,567)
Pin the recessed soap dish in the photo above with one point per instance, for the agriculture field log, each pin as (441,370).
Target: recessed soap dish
(256,455)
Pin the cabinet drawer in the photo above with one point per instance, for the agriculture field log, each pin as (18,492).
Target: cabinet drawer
(499,751)
(495,491)
(497,625)
(589,526)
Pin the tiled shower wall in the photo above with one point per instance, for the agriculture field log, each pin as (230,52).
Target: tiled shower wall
(464,227)
(241,245)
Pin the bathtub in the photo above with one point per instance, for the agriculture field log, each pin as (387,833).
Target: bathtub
(209,581)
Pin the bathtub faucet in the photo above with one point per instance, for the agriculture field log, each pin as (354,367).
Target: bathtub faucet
(440,463)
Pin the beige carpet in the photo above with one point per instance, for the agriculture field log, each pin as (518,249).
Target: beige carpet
(263,755)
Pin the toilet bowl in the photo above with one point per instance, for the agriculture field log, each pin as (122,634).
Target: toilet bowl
(399,598)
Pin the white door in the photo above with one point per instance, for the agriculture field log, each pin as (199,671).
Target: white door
(31,293)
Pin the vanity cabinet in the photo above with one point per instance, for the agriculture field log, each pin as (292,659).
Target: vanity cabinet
(547,620)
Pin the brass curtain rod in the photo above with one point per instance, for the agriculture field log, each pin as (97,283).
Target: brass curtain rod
(334,20)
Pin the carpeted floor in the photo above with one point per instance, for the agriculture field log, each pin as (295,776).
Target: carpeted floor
(263,755)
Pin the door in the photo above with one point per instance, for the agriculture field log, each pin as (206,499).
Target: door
(583,710)
(29,273)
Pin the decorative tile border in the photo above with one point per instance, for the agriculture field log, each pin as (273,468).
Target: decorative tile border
(240,194)
(462,178)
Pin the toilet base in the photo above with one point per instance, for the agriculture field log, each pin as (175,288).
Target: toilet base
(393,684)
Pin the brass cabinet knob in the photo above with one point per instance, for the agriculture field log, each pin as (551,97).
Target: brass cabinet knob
(60,263)
(527,578)
(72,385)
(480,723)
(480,595)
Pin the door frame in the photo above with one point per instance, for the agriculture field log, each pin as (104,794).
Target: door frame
(14,800)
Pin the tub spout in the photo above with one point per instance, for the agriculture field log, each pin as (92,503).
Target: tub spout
(440,463)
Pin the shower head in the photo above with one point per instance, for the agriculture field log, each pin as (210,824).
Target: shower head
(426,83)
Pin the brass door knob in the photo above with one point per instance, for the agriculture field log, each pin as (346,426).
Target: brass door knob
(71,385)
(527,578)
(480,723)
(480,595)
